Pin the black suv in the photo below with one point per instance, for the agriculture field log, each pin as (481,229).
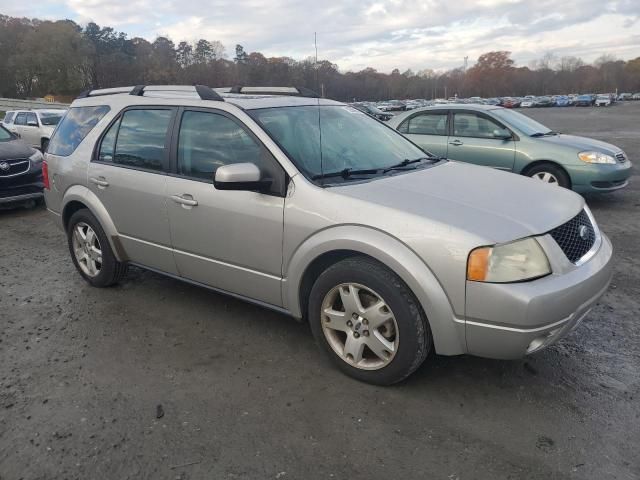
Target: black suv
(20,170)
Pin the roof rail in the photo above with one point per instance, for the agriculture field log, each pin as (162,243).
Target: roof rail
(204,92)
(292,91)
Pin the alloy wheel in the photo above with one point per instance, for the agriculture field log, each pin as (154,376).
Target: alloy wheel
(546,177)
(359,326)
(87,250)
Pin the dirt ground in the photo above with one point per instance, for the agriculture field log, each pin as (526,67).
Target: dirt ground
(156,379)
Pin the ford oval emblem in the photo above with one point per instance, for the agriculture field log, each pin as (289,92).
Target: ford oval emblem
(583,231)
(4,166)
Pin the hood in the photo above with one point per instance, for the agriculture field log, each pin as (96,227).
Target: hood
(494,205)
(15,149)
(580,144)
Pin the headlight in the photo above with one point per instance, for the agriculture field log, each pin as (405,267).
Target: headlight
(36,157)
(596,157)
(510,262)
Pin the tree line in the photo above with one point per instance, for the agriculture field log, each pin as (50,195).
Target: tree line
(64,58)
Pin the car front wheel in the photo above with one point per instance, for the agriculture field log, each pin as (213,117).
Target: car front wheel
(368,321)
(550,174)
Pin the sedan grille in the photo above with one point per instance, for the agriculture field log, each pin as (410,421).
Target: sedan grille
(576,237)
(10,168)
(620,157)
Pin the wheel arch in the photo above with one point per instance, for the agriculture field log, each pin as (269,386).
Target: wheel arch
(77,198)
(337,243)
(529,166)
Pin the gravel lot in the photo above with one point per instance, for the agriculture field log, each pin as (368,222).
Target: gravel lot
(245,394)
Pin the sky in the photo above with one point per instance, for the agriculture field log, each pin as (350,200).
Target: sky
(383,34)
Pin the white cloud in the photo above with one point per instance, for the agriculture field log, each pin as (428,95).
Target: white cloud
(383,34)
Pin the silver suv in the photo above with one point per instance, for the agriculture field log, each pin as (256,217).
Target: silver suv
(315,209)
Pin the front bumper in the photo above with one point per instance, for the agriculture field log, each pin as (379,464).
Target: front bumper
(27,186)
(508,321)
(599,178)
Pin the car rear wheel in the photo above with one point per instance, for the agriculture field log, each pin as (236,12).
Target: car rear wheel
(91,252)
(550,174)
(368,321)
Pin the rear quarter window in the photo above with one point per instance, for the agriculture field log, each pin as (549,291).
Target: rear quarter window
(73,128)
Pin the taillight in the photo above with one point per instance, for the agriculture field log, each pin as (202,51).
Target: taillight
(45,175)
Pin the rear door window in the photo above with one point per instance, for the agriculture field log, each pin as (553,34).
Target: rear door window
(428,124)
(32,119)
(21,119)
(73,128)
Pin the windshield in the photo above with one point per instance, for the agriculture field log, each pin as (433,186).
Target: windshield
(332,138)
(520,122)
(5,136)
(50,118)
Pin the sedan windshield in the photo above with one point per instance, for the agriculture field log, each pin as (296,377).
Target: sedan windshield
(50,119)
(520,122)
(324,140)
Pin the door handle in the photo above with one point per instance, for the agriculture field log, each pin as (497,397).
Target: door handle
(100,182)
(184,199)
(456,142)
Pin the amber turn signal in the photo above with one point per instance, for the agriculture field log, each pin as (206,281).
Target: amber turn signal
(478,264)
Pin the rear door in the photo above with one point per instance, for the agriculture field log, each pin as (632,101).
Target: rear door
(129,175)
(473,140)
(428,129)
(19,123)
(31,130)
(231,240)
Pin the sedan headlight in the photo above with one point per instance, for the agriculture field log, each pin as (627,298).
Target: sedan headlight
(36,157)
(596,157)
(510,262)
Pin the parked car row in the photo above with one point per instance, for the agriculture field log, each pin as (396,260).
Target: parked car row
(391,107)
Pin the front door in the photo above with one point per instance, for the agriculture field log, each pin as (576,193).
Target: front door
(473,139)
(428,130)
(231,240)
(129,176)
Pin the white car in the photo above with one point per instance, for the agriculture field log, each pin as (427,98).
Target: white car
(33,126)
(603,100)
(528,103)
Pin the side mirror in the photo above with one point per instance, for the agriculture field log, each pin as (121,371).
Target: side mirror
(502,134)
(240,176)
(31,123)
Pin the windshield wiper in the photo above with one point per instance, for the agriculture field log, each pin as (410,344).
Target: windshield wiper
(406,162)
(346,173)
(540,134)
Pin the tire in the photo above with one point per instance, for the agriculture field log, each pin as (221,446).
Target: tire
(559,175)
(110,270)
(407,330)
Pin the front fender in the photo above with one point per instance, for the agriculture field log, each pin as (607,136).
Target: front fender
(448,335)
(80,193)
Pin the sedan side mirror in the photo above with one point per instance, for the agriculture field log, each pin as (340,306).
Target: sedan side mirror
(502,134)
(240,176)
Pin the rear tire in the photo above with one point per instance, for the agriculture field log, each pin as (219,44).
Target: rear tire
(379,320)
(549,173)
(91,252)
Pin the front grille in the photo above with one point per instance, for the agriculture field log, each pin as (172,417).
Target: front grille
(9,168)
(620,157)
(576,237)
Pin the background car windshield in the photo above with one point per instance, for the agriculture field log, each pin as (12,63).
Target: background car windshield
(519,121)
(50,118)
(326,139)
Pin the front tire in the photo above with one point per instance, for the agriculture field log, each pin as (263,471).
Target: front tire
(91,252)
(551,174)
(368,321)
